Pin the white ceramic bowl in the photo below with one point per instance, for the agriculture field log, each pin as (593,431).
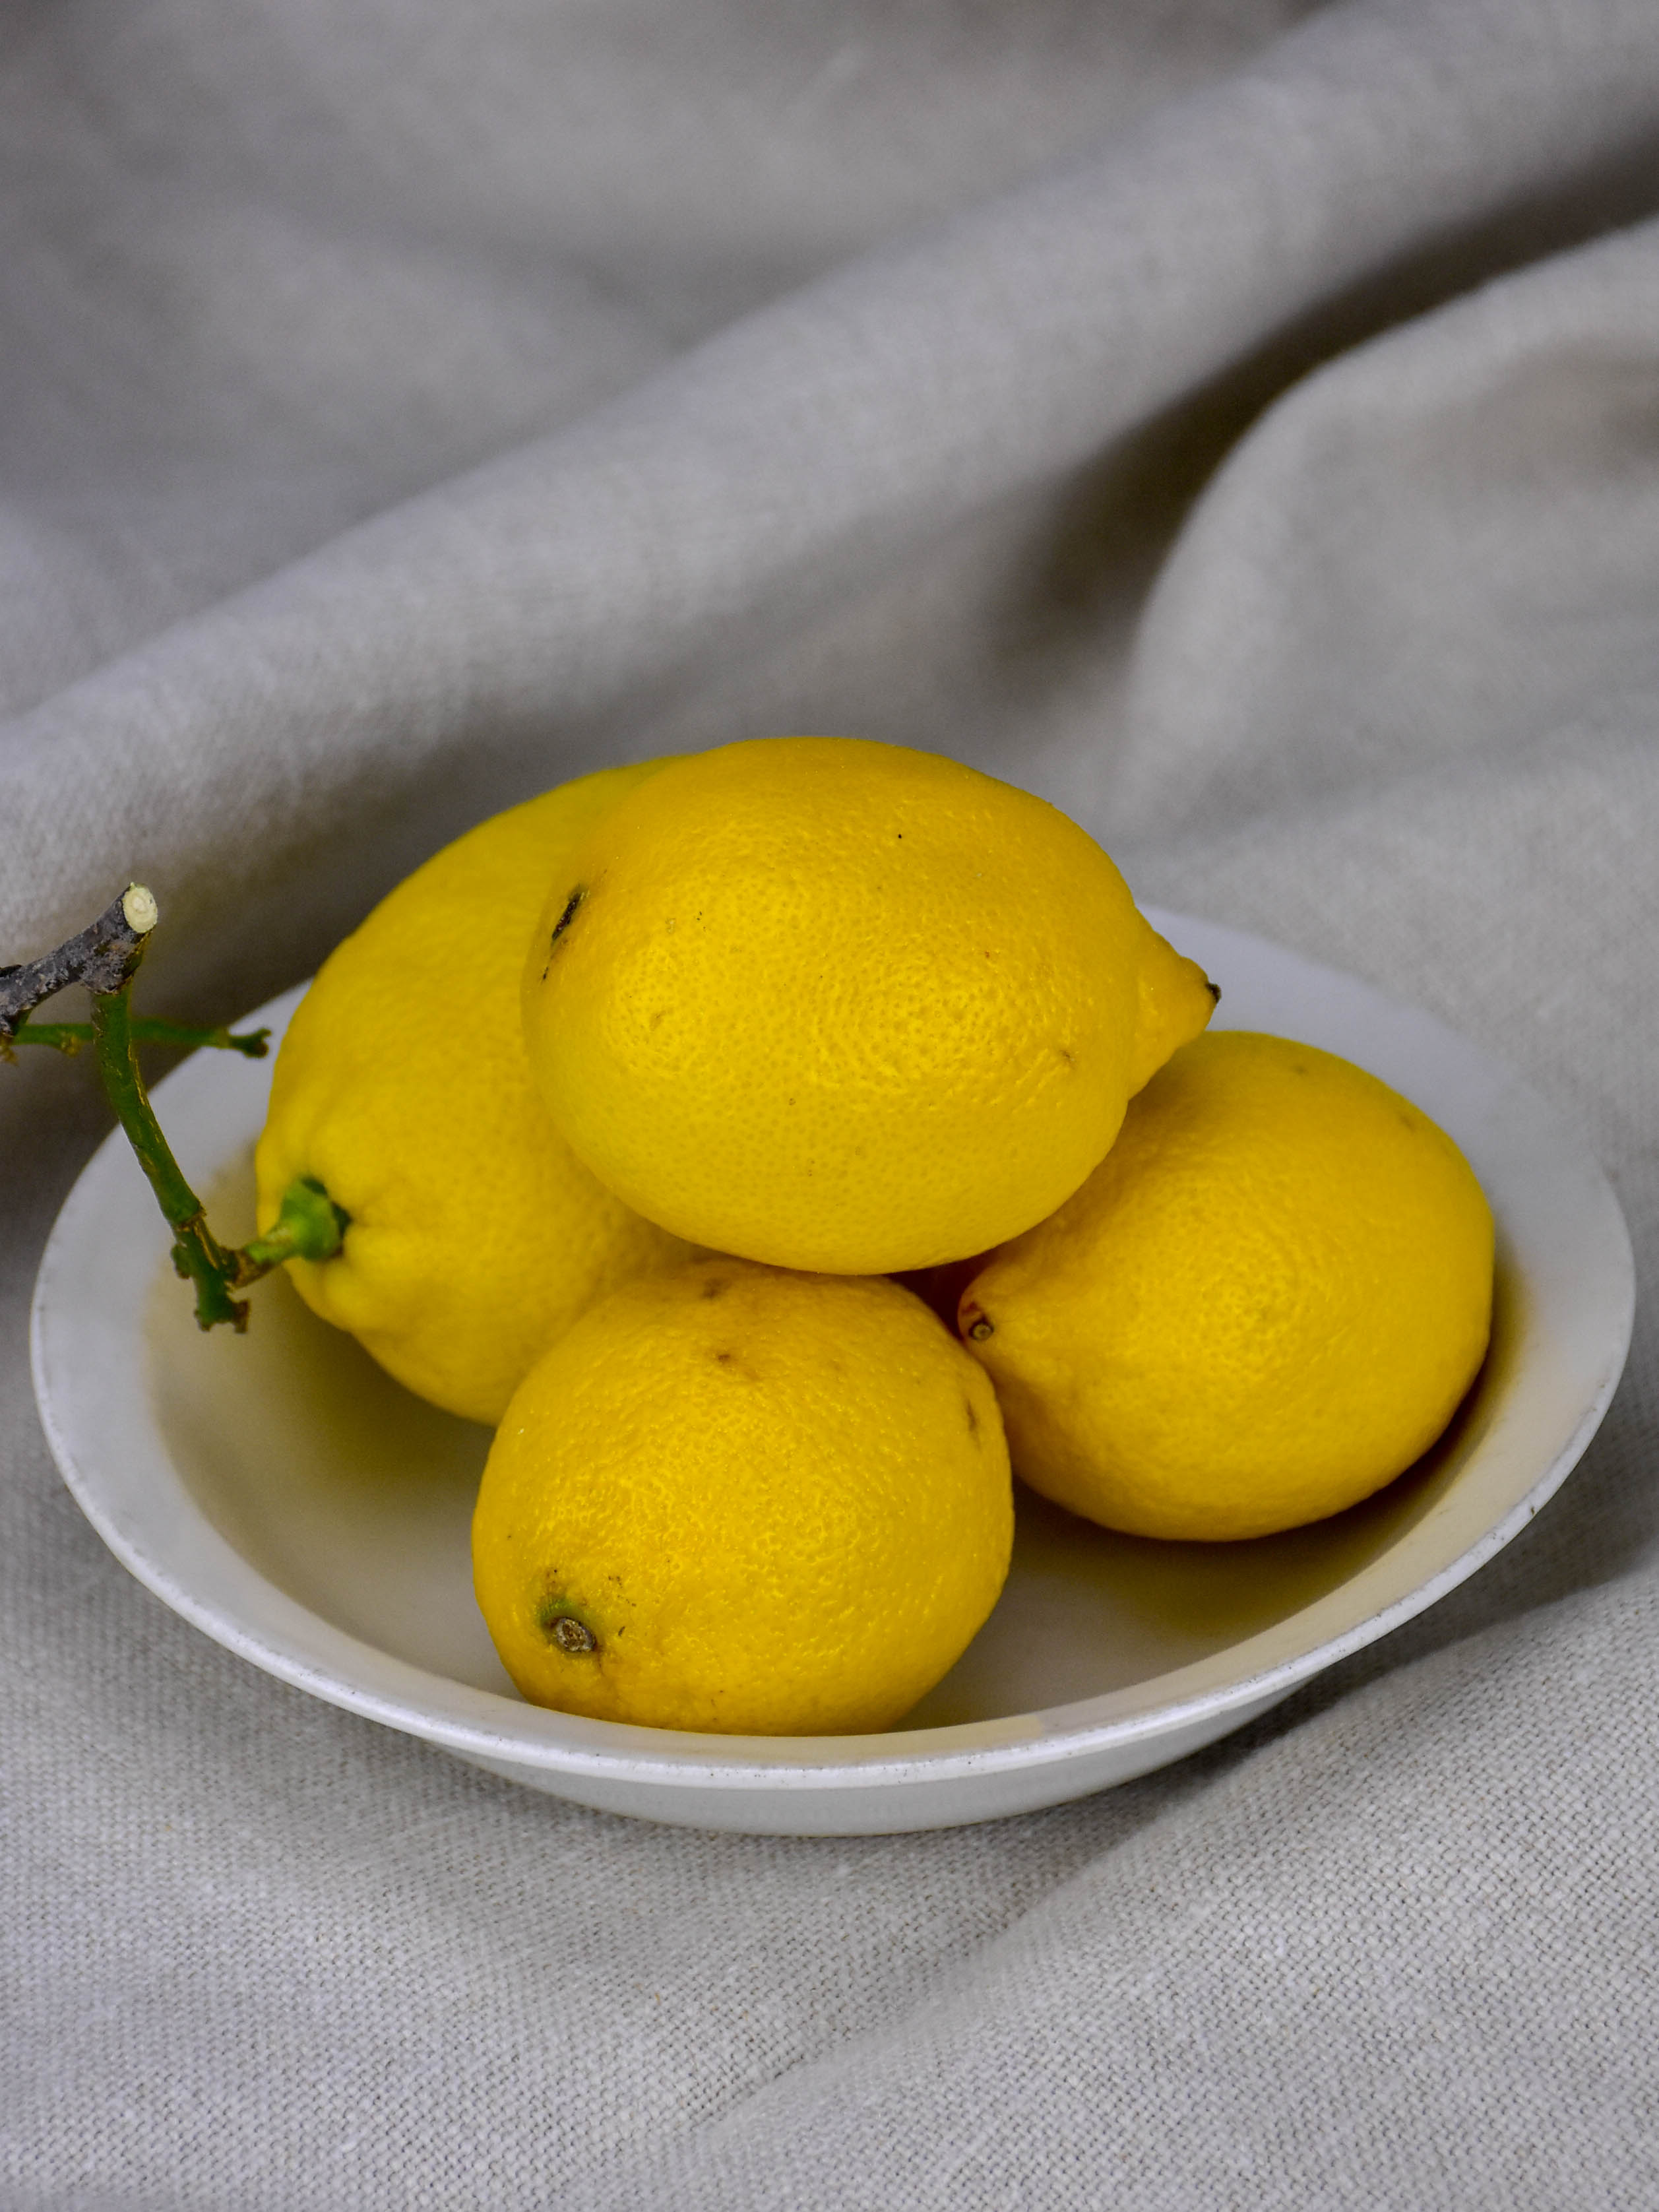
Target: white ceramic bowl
(282,1493)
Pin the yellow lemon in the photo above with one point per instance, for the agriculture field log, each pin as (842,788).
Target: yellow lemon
(735,1499)
(1264,1304)
(402,1088)
(843,1005)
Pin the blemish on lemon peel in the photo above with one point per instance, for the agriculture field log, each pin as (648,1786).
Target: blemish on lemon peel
(564,922)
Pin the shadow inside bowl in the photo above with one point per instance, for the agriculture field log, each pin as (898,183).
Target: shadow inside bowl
(355,1498)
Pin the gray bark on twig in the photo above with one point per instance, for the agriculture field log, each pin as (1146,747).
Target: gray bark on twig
(102,955)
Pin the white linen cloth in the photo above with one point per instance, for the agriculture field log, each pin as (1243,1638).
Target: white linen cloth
(1237,421)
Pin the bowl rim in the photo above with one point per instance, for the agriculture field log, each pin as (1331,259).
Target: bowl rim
(105,1442)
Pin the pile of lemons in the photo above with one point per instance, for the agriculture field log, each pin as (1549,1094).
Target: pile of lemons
(772,1144)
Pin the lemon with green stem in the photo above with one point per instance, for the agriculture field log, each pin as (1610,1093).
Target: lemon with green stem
(402,1097)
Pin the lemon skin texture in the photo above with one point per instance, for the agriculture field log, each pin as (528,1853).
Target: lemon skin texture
(734,1499)
(845,1006)
(1264,1304)
(402,1086)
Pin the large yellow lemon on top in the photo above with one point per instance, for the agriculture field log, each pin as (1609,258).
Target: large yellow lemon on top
(737,1499)
(1264,1304)
(475,1234)
(846,1006)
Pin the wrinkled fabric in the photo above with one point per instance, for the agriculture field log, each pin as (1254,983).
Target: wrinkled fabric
(1236,420)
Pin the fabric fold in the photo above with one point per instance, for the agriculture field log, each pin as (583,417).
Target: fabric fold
(820,437)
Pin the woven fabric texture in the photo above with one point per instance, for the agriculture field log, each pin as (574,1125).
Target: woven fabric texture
(1238,420)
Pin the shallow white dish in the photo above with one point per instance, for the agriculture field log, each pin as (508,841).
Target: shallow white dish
(281,1493)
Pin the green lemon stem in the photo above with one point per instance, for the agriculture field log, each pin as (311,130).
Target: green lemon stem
(104,957)
(308,1226)
(196,1252)
(69,1038)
